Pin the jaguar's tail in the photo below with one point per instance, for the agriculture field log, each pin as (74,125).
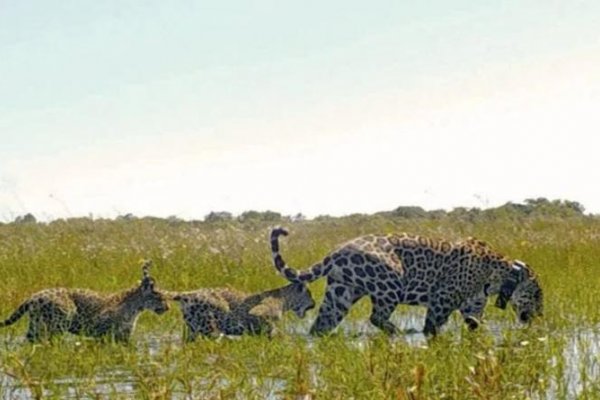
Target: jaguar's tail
(313,273)
(19,312)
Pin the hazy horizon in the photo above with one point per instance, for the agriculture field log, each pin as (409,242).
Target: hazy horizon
(180,108)
(234,215)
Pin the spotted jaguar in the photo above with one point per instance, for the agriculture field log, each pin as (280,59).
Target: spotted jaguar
(404,269)
(84,312)
(232,312)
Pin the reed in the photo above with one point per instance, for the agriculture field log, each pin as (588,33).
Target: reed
(557,357)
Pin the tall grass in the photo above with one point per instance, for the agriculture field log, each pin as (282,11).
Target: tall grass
(555,358)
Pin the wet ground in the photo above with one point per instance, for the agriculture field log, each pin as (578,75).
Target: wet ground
(581,358)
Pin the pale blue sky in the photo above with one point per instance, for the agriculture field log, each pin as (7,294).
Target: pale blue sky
(331,107)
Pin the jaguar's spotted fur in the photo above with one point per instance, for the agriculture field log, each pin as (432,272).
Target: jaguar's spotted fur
(232,312)
(404,269)
(85,312)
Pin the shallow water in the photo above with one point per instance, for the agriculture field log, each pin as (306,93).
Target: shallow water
(580,358)
(583,353)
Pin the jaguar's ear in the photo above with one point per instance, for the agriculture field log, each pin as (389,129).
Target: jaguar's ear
(516,275)
(146,269)
(147,281)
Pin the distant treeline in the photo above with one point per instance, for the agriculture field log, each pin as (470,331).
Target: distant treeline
(539,207)
(530,207)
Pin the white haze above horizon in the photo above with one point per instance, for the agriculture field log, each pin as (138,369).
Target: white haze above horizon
(176,108)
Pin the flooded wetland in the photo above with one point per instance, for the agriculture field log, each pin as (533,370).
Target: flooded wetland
(556,357)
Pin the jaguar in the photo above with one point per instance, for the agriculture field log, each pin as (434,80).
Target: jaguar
(398,269)
(56,311)
(211,311)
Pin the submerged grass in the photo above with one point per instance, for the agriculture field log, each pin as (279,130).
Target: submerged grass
(555,358)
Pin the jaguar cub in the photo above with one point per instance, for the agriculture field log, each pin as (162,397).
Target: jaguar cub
(232,312)
(84,312)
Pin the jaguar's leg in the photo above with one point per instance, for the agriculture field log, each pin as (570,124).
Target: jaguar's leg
(440,307)
(35,327)
(339,297)
(380,316)
(472,310)
(57,323)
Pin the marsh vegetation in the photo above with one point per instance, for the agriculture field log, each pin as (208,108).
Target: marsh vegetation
(556,357)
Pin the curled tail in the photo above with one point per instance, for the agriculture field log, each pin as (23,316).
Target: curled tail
(313,273)
(23,308)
